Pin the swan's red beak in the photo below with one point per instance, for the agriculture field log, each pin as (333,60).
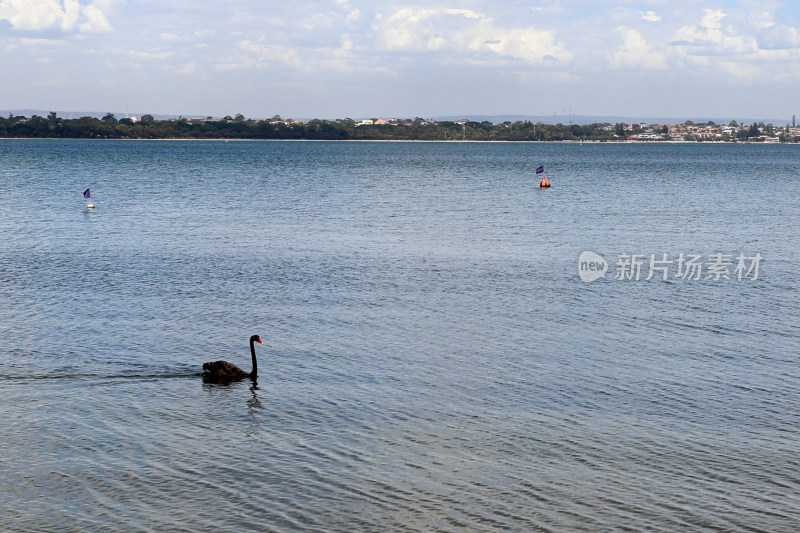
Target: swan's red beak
(259,340)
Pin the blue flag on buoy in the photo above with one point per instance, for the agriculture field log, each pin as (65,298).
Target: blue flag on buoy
(539,170)
(87,194)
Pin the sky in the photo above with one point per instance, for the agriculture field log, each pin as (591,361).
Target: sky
(381,59)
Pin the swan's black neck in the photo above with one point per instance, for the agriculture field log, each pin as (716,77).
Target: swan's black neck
(254,373)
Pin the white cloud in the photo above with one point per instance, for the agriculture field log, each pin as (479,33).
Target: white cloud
(710,38)
(64,15)
(712,19)
(406,54)
(778,37)
(187,69)
(353,16)
(32,15)
(466,36)
(96,20)
(417,30)
(530,45)
(204,33)
(43,42)
(745,71)
(72,13)
(649,16)
(635,52)
(149,55)
(451,36)
(259,54)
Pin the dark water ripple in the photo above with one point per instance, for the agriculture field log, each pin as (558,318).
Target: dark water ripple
(432,362)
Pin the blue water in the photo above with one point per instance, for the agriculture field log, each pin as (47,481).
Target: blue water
(432,360)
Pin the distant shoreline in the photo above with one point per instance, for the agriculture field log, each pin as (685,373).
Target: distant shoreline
(418,129)
(438,141)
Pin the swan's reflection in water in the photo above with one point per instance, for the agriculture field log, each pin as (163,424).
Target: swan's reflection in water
(254,409)
(254,402)
(254,405)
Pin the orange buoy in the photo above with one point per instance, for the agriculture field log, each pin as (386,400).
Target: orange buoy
(544,183)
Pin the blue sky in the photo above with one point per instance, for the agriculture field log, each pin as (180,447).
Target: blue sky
(358,58)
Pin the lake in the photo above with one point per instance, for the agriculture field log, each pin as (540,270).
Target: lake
(435,356)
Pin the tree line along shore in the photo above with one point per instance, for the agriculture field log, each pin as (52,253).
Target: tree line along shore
(238,127)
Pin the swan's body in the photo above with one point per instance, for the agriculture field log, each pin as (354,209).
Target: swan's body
(225,371)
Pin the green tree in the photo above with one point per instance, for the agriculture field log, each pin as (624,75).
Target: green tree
(123,129)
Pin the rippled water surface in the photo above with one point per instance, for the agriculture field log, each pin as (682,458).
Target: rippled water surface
(432,360)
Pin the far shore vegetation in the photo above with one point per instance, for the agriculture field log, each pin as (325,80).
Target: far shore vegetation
(239,127)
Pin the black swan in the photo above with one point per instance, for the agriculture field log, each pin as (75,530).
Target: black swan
(225,371)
